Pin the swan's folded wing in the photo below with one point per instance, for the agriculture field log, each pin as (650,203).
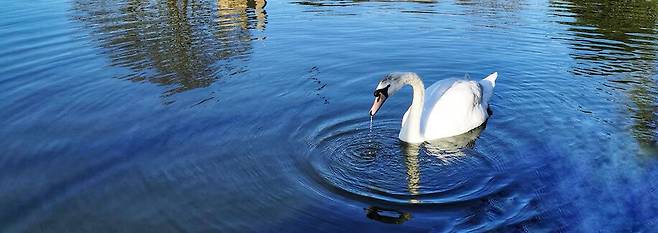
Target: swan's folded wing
(434,92)
(453,110)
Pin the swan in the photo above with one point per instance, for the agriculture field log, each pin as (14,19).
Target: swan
(447,108)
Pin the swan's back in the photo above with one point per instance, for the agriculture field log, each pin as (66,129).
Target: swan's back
(453,107)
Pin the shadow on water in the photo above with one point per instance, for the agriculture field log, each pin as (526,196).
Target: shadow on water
(386,215)
(179,44)
(617,40)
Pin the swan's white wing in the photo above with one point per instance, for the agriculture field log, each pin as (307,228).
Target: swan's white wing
(436,90)
(452,107)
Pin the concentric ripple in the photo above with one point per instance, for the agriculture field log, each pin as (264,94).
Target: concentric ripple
(373,163)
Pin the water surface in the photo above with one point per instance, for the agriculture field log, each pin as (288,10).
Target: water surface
(251,116)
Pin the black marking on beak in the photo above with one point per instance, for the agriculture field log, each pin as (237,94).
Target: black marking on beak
(383,91)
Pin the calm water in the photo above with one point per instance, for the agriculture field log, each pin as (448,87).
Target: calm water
(246,116)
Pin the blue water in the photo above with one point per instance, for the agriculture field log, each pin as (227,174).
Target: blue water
(252,116)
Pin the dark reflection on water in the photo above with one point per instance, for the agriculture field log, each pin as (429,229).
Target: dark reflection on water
(618,40)
(329,7)
(182,44)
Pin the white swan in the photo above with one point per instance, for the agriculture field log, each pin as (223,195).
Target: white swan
(448,108)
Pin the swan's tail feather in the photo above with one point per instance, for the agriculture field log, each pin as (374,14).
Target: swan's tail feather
(488,85)
(492,78)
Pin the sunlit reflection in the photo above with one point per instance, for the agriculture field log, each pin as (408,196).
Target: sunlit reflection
(244,13)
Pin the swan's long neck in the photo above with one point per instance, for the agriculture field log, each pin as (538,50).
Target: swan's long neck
(411,130)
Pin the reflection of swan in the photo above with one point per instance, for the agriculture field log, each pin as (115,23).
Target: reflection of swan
(441,148)
(453,144)
(447,108)
(410,152)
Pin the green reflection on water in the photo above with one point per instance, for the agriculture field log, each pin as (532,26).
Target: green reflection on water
(617,40)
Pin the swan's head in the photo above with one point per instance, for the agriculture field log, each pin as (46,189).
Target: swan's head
(387,87)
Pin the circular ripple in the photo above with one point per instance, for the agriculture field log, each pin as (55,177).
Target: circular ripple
(349,156)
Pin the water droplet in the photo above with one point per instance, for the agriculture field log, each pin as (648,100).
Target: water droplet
(371,118)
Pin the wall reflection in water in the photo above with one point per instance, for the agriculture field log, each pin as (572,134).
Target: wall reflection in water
(618,40)
(183,44)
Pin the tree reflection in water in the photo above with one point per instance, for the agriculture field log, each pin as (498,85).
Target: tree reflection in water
(184,44)
(617,40)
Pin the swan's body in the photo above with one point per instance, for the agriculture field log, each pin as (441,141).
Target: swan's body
(447,108)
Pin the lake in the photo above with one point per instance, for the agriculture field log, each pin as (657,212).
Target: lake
(252,116)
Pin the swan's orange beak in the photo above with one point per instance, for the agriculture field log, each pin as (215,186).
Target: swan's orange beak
(379,101)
